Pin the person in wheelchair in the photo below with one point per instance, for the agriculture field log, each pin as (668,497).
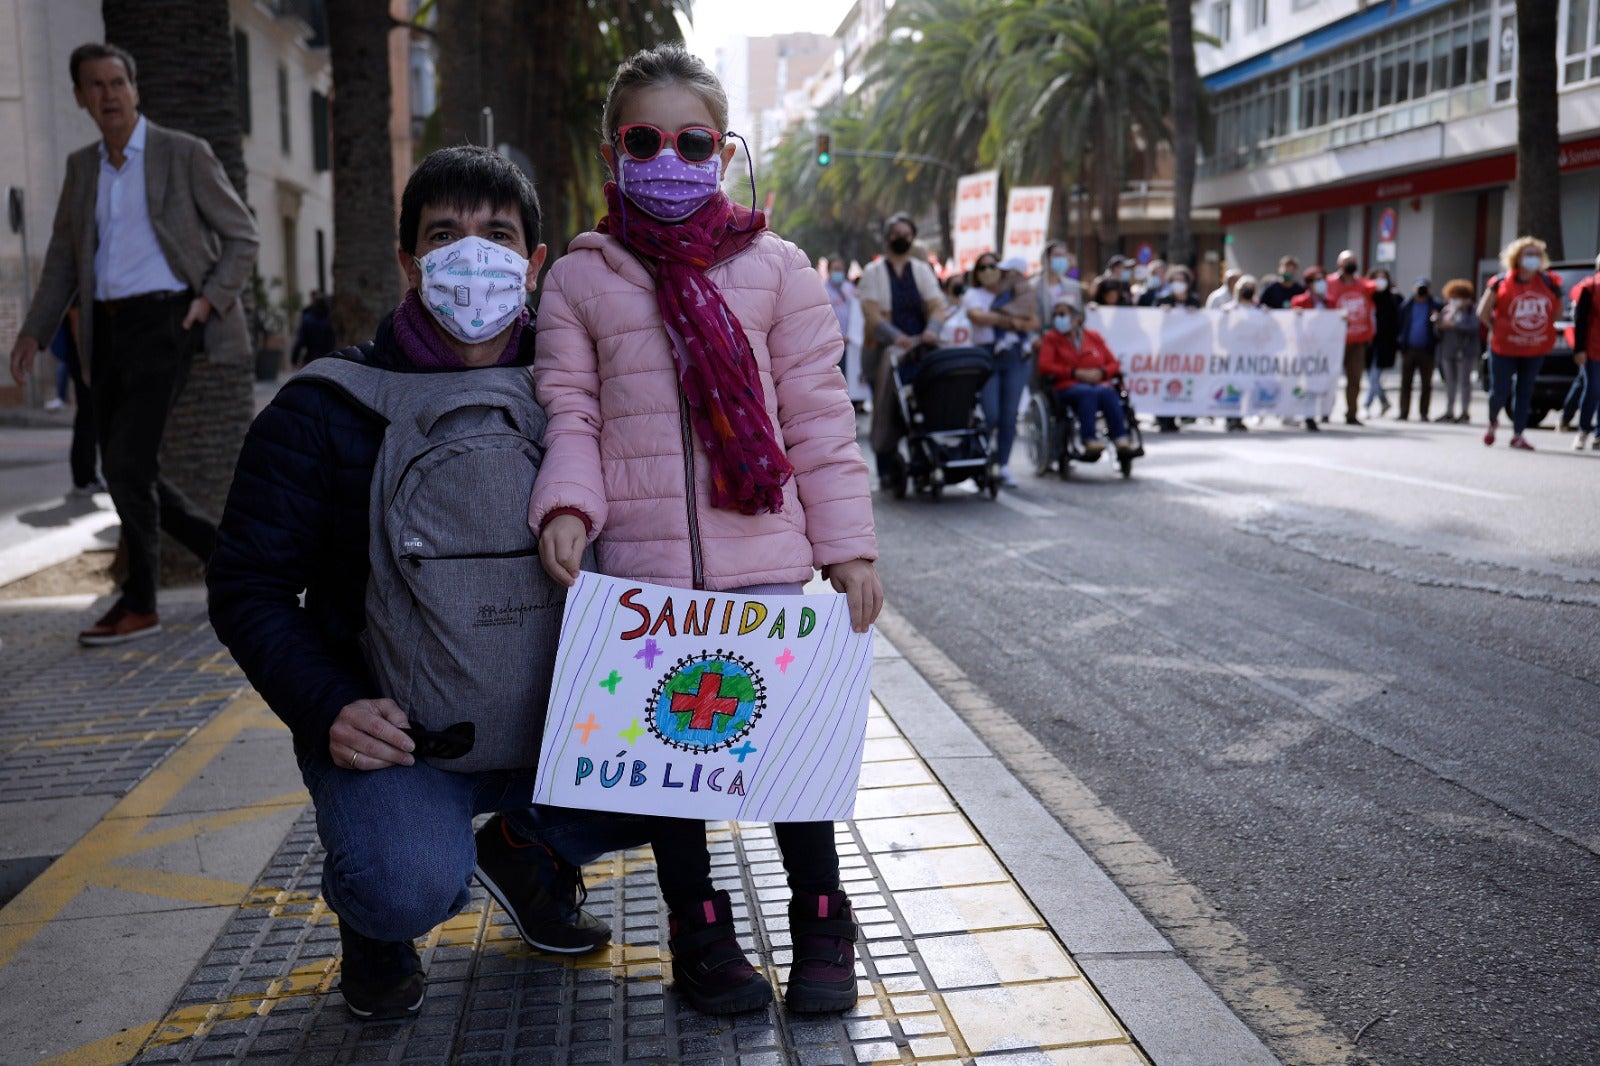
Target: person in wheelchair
(1076,364)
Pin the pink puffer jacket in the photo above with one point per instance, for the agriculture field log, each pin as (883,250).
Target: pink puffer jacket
(616,437)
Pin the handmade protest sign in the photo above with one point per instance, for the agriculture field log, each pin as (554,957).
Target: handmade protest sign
(708,705)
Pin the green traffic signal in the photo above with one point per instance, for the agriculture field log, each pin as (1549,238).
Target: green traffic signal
(824,150)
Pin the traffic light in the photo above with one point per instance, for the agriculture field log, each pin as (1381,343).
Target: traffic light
(824,150)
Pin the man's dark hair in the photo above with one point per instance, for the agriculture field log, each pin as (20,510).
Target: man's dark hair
(463,178)
(85,53)
(897,218)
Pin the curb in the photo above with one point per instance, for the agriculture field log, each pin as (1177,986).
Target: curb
(1171,1012)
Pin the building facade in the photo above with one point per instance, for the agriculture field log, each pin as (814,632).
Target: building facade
(1387,128)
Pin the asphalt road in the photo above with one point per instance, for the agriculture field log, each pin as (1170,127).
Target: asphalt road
(1343,693)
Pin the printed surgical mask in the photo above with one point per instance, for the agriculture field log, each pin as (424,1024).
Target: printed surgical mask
(473,288)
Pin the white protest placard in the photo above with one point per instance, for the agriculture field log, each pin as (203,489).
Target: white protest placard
(977,200)
(1179,362)
(1027,221)
(707,705)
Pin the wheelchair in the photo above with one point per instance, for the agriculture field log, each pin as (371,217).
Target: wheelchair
(1050,429)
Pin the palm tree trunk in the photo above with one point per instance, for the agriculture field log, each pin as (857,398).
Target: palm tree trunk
(544,132)
(184,52)
(1538,134)
(1185,127)
(461,72)
(366,278)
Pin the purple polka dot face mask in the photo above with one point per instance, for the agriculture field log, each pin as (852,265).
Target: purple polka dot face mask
(668,187)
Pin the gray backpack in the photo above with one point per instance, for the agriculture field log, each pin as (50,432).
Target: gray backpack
(462,620)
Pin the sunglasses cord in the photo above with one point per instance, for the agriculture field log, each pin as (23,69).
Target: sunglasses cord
(749,162)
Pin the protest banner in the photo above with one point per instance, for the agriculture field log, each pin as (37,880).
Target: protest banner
(1225,363)
(977,200)
(1027,219)
(707,705)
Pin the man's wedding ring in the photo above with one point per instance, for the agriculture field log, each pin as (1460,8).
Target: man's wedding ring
(355,759)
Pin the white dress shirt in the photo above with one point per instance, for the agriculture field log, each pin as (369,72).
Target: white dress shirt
(128,261)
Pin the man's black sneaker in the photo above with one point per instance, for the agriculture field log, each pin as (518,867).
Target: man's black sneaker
(542,893)
(380,978)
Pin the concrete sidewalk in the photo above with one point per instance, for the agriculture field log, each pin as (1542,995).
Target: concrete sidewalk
(165,865)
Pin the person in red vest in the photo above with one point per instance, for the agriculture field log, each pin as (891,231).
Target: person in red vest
(1520,306)
(1353,294)
(1586,353)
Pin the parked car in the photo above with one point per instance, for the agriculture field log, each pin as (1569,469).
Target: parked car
(1555,376)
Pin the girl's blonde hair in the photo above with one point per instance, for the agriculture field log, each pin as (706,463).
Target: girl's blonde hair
(1512,256)
(665,64)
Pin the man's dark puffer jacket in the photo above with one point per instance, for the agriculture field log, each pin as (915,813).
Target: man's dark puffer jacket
(296,519)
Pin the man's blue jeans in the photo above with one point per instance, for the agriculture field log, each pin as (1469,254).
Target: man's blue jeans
(1503,370)
(1086,400)
(399,840)
(1002,395)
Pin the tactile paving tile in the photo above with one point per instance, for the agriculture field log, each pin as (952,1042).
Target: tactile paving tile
(268,991)
(92,721)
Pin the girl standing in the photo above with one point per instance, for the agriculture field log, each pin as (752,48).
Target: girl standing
(700,433)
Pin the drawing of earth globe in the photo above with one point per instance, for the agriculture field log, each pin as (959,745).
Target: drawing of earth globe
(706,702)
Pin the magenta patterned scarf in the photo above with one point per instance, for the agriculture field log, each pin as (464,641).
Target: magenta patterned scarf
(424,343)
(716,367)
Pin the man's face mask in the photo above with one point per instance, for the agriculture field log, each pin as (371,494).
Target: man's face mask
(899,243)
(473,288)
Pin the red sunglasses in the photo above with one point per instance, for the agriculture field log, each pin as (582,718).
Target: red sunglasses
(643,142)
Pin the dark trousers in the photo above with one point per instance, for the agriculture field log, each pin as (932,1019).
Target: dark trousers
(683,863)
(1413,360)
(140,364)
(1511,381)
(82,457)
(1355,365)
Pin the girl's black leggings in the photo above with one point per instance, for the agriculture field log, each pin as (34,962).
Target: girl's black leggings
(683,862)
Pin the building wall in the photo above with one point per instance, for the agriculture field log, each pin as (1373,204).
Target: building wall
(40,124)
(1256,247)
(1442,158)
(291,199)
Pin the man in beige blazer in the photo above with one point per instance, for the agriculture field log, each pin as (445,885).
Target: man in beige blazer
(153,244)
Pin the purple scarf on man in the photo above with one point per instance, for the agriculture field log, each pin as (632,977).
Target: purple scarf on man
(424,345)
(716,366)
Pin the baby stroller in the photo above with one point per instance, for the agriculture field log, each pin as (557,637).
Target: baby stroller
(947,440)
(1050,428)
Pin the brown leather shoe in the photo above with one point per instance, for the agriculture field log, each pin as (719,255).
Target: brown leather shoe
(120,625)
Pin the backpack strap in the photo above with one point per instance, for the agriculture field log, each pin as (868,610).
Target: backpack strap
(420,400)
(359,383)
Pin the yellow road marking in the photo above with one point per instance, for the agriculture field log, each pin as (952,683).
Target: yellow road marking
(123,832)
